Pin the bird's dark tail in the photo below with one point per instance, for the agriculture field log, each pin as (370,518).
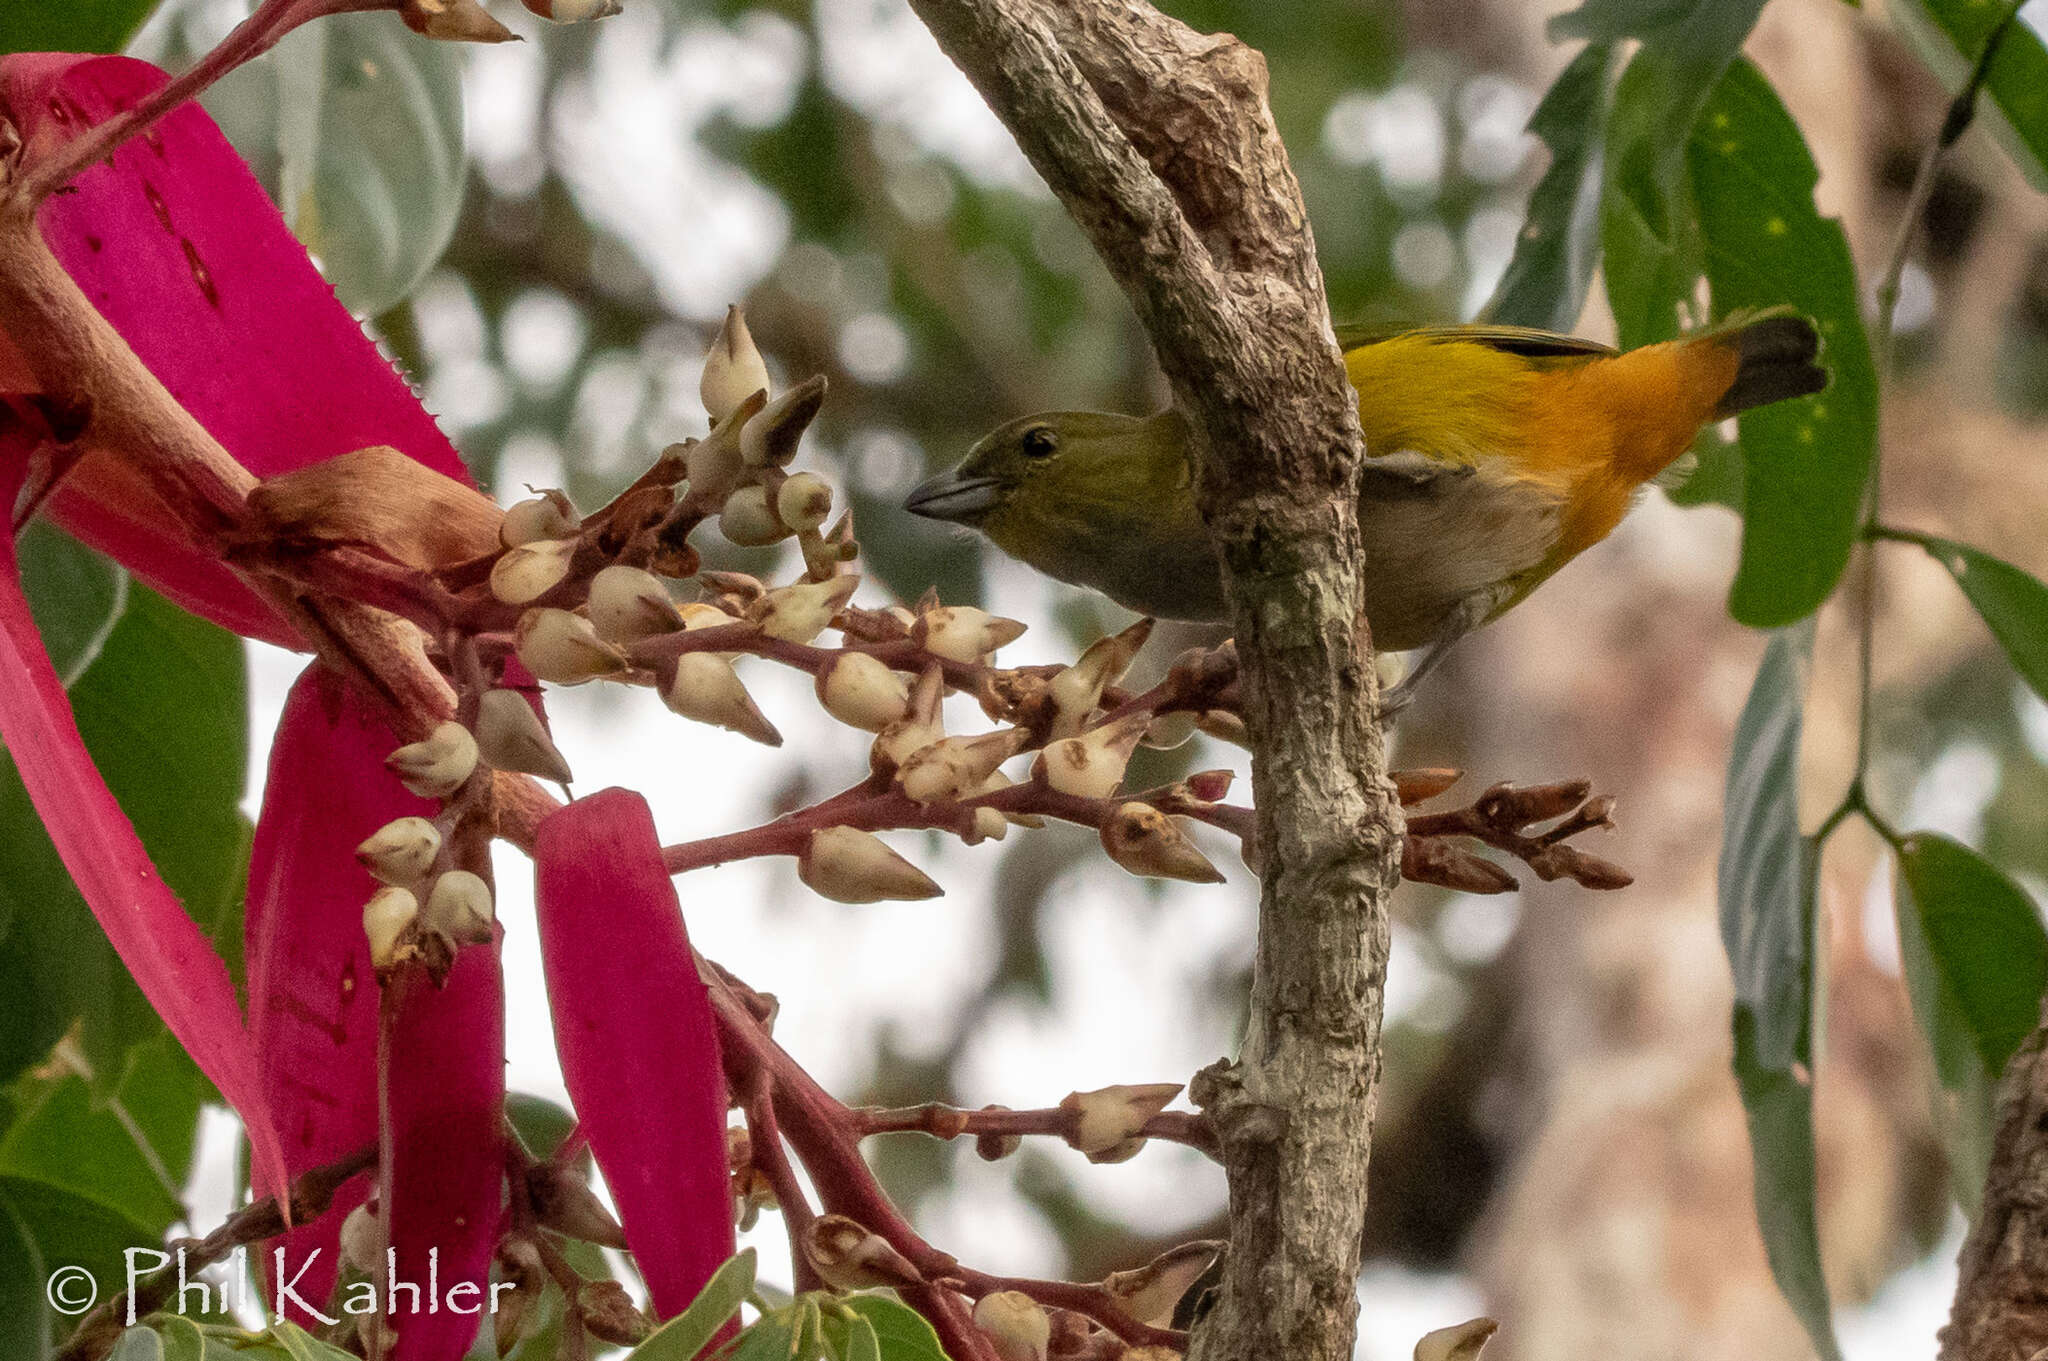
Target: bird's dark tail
(1777,354)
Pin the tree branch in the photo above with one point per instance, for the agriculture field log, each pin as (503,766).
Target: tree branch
(1159,143)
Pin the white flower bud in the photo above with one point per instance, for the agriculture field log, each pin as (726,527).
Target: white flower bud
(460,907)
(550,515)
(996,781)
(510,736)
(1017,1324)
(1077,689)
(1168,731)
(460,21)
(400,852)
(954,766)
(362,1239)
(526,573)
(799,613)
(706,688)
(386,918)
(627,604)
(921,724)
(1108,1116)
(1461,1342)
(962,633)
(1144,841)
(1091,766)
(733,368)
(1148,1294)
(804,502)
(853,1257)
(573,11)
(436,766)
(848,865)
(862,692)
(564,648)
(1224,726)
(749,520)
(713,464)
(771,437)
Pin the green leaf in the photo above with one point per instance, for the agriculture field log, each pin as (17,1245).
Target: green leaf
(370,135)
(1765,923)
(1985,939)
(138,1344)
(164,714)
(104,1153)
(45,1230)
(297,1344)
(182,1339)
(1949,35)
(1778,1104)
(772,1337)
(1546,282)
(76,26)
(900,1331)
(1963,1104)
(689,1332)
(2013,604)
(75,594)
(1649,246)
(1768,878)
(1805,462)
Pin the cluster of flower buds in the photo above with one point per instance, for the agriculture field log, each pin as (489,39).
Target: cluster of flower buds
(425,911)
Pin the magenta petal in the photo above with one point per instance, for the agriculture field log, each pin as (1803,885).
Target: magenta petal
(179,247)
(638,1045)
(443,1064)
(171,960)
(312,989)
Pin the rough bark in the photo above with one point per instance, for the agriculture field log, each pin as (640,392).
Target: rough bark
(2001,1305)
(1159,142)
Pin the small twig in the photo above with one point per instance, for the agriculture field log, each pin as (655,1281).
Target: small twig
(311,1195)
(941,1121)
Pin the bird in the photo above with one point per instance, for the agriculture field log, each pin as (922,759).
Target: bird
(1494,455)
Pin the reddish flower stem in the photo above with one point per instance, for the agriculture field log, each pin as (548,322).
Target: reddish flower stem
(250,39)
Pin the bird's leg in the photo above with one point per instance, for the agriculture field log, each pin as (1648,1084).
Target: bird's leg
(1469,615)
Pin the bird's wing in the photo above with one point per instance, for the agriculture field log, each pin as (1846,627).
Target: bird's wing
(1522,340)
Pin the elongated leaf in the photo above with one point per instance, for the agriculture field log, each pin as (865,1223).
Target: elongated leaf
(182,1339)
(1805,462)
(312,990)
(2013,604)
(1985,938)
(1766,924)
(1949,35)
(370,127)
(1769,905)
(691,1331)
(638,1044)
(48,1233)
(441,1065)
(1547,280)
(165,950)
(1649,245)
(77,596)
(1962,1102)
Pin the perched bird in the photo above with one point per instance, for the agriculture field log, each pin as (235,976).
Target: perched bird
(1495,455)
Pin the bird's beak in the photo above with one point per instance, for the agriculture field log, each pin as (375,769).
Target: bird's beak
(952,496)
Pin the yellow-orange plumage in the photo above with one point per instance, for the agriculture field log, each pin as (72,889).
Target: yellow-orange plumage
(1495,455)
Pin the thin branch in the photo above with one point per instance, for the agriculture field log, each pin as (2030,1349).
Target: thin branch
(311,1195)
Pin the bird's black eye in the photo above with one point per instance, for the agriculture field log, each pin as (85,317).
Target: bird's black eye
(1039,441)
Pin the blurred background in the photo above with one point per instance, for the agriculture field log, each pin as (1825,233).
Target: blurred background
(1560,1144)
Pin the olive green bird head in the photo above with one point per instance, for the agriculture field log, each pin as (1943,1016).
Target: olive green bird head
(1042,463)
(1095,499)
